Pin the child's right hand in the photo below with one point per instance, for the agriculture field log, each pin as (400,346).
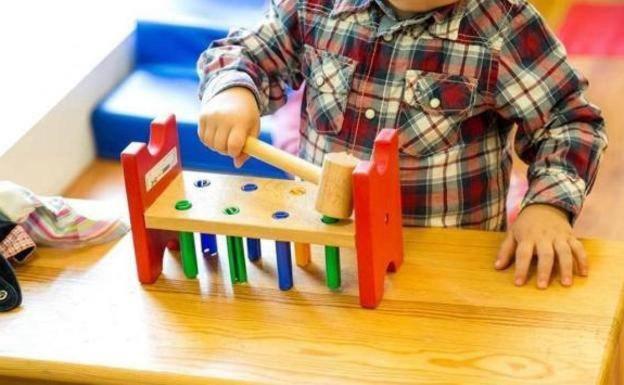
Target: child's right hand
(227,120)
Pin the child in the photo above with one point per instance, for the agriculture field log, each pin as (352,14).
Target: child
(453,78)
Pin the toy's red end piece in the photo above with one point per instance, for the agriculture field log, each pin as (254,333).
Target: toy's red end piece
(378,217)
(148,170)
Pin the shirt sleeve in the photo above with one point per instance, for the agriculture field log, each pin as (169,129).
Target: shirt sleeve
(561,136)
(265,60)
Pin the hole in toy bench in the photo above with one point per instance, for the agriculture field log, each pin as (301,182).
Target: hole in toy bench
(280,215)
(201,183)
(232,210)
(249,187)
(298,190)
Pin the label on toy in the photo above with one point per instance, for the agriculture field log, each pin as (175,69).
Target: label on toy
(161,169)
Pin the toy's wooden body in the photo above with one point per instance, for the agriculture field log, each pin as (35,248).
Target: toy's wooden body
(256,209)
(155,183)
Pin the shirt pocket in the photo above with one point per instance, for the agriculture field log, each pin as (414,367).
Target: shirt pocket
(328,84)
(434,105)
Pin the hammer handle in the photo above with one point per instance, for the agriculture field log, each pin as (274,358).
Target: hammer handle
(282,160)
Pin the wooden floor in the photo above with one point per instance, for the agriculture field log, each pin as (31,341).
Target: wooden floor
(603,215)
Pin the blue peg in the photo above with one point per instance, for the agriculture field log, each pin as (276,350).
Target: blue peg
(209,244)
(253,249)
(284,265)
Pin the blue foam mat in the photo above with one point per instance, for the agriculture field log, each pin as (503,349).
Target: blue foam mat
(125,116)
(164,81)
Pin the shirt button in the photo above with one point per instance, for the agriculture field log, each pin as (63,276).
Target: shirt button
(388,37)
(434,103)
(370,114)
(320,80)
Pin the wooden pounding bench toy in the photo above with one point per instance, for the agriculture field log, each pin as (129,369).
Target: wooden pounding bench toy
(168,205)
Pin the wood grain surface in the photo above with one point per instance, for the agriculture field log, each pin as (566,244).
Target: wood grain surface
(257,207)
(447,318)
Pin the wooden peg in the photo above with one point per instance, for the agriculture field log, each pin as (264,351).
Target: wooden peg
(332,267)
(253,249)
(236,259)
(209,244)
(302,254)
(187,252)
(284,265)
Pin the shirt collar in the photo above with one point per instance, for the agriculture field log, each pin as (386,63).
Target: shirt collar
(350,6)
(446,19)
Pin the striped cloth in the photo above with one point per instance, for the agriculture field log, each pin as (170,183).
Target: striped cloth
(51,221)
(55,223)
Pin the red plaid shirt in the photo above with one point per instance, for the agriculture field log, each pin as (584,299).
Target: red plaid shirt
(453,82)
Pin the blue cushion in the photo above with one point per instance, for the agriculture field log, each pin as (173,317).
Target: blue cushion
(125,115)
(171,44)
(178,36)
(164,81)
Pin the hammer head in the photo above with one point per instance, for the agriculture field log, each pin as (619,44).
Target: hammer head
(335,192)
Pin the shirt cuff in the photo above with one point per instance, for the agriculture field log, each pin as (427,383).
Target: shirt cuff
(221,81)
(559,189)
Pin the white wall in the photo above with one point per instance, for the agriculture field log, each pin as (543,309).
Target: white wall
(60,145)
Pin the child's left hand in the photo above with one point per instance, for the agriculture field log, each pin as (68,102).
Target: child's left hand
(544,231)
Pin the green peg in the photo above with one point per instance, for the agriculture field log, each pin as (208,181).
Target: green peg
(236,252)
(236,259)
(332,260)
(187,245)
(332,267)
(329,220)
(239,257)
(187,251)
(231,249)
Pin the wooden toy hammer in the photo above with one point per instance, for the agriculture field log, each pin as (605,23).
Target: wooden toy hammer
(335,179)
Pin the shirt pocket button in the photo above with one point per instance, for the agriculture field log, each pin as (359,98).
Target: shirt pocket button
(435,103)
(370,114)
(328,85)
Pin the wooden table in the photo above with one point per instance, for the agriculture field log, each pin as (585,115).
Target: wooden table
(447,318)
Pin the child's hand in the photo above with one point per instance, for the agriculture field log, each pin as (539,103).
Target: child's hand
(544,231)
(227,120)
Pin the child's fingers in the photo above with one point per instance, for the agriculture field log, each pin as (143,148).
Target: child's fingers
(524,255)
(506,252)
(566,265)
(255,128)
(545,261)
(206,131)
(580,255)
(221,139)
(240,160)
(236,141)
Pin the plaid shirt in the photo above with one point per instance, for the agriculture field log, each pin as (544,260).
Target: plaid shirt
(453,82)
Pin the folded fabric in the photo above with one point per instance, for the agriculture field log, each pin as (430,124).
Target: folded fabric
(51,221)
(15,243)
(10,292)
(16,202)
(55,223)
